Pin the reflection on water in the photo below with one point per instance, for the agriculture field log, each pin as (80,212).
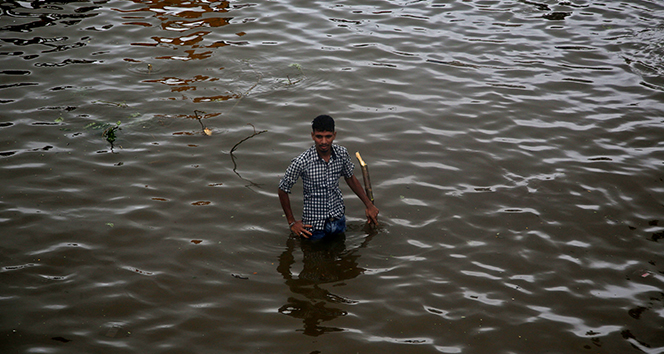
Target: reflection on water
(197,18)
(323,262)
(36,14)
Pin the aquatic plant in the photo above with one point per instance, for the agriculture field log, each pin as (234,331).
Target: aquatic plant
(109,133)
(299,68)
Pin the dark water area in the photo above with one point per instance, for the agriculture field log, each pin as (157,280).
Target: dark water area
(515,150)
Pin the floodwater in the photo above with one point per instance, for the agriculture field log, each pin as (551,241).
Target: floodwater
(515,150)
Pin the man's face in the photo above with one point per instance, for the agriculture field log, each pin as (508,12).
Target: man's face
(323,140)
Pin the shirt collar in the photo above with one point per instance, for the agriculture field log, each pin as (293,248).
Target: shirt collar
(314,153)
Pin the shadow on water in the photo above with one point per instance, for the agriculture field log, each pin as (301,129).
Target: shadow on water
(328,261)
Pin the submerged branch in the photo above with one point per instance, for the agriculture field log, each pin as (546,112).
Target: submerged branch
(118,104)
(260,76)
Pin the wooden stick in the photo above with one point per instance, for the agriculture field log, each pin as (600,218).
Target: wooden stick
(365,175)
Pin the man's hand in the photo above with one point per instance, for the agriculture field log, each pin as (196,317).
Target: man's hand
(371,211)
(300,229)
(297,227)
(372,214)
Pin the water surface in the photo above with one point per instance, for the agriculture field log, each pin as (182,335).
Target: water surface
(514,146)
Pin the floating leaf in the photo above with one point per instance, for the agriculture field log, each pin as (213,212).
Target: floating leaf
(97,125)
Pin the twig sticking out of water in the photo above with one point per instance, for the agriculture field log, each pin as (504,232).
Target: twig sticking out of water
(247,138)
(236,145)
(206,131)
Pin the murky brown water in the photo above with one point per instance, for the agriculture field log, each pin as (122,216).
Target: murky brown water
(515,149)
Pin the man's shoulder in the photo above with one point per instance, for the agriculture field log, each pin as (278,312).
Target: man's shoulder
(341,150)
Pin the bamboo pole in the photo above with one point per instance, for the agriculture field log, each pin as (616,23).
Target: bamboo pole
(365,176)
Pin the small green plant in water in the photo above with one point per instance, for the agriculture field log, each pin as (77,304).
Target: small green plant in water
(299,68)
(109,133)
(97,125)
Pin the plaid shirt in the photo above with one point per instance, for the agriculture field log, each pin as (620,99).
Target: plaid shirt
(320,179)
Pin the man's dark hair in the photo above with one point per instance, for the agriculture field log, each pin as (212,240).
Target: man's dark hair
(323,123)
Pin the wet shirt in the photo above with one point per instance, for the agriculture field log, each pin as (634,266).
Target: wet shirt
(320,183)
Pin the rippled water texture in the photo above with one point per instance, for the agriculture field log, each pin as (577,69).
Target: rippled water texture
(515,150)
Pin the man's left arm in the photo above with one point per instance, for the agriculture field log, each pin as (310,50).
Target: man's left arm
(371,211)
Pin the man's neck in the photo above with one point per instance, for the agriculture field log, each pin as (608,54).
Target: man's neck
(325,156)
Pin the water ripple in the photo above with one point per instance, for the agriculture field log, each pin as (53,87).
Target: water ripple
(514,148)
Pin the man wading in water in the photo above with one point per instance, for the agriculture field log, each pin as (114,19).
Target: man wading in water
(320,168)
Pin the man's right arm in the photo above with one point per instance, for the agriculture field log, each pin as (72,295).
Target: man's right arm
(296,226)
(284,199)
